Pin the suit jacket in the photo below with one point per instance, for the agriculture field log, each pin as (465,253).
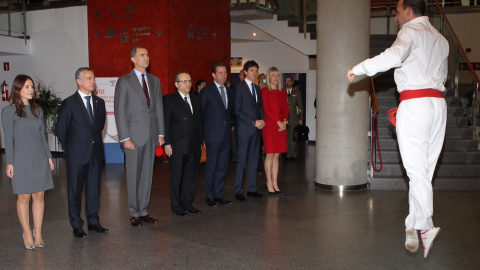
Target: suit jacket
(134,119)
(183,130)
(294,101)
(76,133)
(246,110)
(217,121)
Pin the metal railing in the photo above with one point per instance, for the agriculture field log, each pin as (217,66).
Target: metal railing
(13,19)
(461,73)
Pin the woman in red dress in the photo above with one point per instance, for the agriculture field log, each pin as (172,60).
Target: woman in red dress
(274,133)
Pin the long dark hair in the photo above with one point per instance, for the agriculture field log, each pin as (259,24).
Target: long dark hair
(198,83)
(16,98)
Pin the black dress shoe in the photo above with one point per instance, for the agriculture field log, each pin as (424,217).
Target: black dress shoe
(254,194)
(149,219)
(211,202)
(98,228)
(293,159)
(193,210)
(240,197)
(79,233)
(270,193)
(222,201)
(136,221)
(180,213)
(278,192)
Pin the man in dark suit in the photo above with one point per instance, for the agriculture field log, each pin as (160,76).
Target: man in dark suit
(183,141)
(248,111)
(80,122)
(139,117)
(217,107)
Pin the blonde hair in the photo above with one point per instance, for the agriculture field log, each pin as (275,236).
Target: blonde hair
(269,75)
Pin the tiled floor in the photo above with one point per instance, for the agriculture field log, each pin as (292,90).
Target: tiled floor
(305,229)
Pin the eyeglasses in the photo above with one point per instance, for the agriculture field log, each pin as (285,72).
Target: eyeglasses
(185,81)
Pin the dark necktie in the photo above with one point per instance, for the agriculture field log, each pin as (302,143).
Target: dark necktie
(89,109)
(145,90)
(253,93)
(222,93)
(188,104)
(289,94)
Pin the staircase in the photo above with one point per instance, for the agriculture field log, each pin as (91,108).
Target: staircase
(458,167)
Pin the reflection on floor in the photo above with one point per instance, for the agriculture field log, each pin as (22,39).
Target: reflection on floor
(305,229)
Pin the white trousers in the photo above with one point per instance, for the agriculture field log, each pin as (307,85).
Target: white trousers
(421,126)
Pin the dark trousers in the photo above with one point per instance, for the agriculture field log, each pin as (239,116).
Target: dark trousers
(183,179)
(216,168)
(247,160)
(234,146)
(79,175)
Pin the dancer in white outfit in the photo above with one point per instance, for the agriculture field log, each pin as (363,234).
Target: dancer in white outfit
(419,55)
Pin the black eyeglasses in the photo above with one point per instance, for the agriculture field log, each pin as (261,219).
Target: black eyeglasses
(185,81)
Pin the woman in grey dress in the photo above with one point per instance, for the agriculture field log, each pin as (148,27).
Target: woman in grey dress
(28,158)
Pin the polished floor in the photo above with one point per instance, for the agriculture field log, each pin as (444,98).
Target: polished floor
(305,229)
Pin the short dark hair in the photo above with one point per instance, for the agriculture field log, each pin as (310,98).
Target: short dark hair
(175,79)
(289,77)
(295,83)
(218,64)
(133,51)
(418,6)
(262,74)
(80,70)
(249,64)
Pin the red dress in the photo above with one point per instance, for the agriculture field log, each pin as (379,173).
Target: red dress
(275,107)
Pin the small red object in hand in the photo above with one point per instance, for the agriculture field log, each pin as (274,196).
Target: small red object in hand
(159,150)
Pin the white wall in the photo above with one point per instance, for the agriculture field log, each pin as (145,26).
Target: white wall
(58,47)
(466,26)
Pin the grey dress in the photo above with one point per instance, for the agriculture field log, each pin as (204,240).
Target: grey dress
(27,150)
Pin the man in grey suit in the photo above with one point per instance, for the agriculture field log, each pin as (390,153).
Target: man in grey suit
(139,118)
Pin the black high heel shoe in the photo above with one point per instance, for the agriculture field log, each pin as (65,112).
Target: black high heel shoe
(270,193)
(278,192)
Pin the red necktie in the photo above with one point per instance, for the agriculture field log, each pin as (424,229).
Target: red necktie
(145,90)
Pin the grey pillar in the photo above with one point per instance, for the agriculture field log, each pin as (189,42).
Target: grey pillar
(343,40)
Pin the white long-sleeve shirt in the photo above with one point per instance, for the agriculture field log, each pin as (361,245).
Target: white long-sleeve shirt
(419,54)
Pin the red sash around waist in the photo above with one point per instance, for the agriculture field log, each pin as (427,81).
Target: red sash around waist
(409,94)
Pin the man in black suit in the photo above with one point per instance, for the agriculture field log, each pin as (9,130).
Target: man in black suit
(248,111)
(217,107)
(80,122)
(183,141)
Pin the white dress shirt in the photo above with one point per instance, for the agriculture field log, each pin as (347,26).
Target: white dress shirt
(419,54)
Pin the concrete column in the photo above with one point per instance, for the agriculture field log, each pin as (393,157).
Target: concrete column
(343,40)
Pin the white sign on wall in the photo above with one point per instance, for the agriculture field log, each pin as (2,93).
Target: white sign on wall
(106,91)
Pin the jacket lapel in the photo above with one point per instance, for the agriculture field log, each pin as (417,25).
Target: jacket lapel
(217,94)
(183,104)
(137,86)
(82,108)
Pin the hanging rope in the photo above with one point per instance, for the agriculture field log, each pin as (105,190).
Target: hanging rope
(373,148)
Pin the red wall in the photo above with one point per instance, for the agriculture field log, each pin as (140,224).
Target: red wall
(170,52)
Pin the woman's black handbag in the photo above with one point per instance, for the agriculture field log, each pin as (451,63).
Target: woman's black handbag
(300,133)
